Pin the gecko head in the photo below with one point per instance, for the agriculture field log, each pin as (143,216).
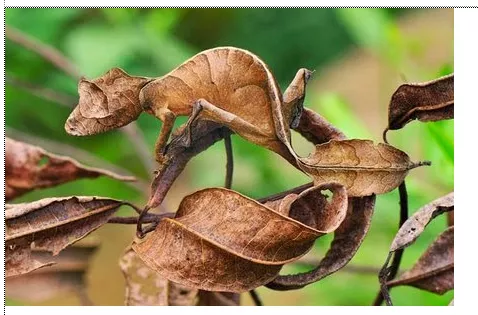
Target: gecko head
(108,102)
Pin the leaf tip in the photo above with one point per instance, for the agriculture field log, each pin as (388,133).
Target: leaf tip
(420,163)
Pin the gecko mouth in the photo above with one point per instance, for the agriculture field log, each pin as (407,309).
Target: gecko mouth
(72,127)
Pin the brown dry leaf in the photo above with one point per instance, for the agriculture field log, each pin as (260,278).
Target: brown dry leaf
(434,271)
(347,239)
(50,224)
(361,166)
(316,129)
(29,167)
(235,89)
(428,101)
(223,241)
(414,226)
(66,275)
(146,287)
(282,205)
(108,102)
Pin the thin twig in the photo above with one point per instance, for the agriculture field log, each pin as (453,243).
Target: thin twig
(384,135)
(150,228)
(48,53)
(230,161)
(150,218)
(228,184)
(402,190)
(42,92)
(56,58)
(382,278)
(140,232)
(313,261)
(397,256)
(255,297)
(136,138)
(420,163)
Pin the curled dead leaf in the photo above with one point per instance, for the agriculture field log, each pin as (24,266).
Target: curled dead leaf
(108,102)
(66,275)
(362,167)
(223,241)
(316,129)
(146,287)
(51,225)
(428,101)
(347,239)
(29,167)
(434,270)
(415,225)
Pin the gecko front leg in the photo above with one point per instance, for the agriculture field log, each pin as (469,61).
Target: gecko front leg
(168,118)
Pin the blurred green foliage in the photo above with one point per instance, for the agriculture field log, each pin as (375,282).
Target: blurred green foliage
(151,42)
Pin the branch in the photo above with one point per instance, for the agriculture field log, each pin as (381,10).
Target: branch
(136,138)
(229,161)
(256,298)
(150,218)
(295,190)
(313,261)
(54,56)
(42,92)
(387,274)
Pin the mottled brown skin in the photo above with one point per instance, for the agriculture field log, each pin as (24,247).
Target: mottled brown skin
(230,86)
(227,85)
(106,103)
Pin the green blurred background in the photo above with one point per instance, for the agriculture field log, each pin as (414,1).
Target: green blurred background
(361,57)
